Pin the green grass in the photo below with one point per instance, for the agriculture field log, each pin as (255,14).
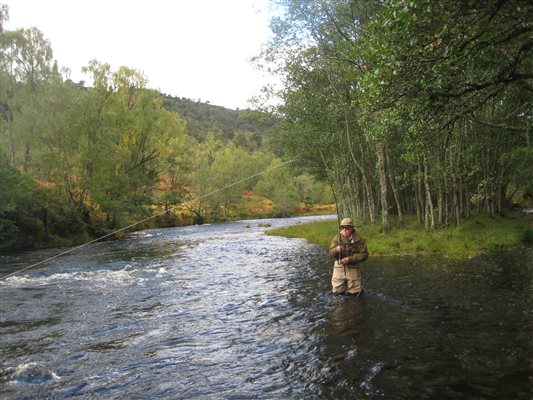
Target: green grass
(477,235)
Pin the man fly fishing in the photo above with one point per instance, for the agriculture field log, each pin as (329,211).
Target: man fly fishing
(349,250)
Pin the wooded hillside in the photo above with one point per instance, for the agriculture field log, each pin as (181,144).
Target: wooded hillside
(246,128)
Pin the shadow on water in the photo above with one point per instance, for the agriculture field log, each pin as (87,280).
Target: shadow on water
(223,311)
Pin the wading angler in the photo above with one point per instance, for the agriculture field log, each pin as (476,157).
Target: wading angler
(349,251)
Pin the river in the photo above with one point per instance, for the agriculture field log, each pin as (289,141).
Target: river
(224,311)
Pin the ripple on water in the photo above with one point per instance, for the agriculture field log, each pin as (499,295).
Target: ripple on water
(227,312)
(29,373)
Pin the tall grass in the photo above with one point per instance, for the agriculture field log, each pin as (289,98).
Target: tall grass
(478,235)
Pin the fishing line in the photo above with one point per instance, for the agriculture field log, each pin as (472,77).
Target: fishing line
(146,219)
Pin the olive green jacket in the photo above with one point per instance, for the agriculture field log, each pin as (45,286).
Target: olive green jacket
(353,247)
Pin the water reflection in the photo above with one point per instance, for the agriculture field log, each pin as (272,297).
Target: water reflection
(347,318)
(345,324)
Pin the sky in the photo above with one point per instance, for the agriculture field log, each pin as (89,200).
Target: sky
(198,49)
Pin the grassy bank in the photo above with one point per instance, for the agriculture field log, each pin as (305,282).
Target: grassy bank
(477,235)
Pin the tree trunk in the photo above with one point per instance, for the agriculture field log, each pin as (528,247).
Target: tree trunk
(368,188)
(456,202)
(419,199)
(430,210)
(383,185)
(441,190)
(394,189)
(360,167)
(440,204)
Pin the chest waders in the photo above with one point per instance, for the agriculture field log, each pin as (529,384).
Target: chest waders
(344,278)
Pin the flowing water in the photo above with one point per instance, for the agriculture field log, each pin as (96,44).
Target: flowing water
(226,312)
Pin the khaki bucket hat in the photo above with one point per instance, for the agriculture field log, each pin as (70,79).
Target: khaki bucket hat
(347,222)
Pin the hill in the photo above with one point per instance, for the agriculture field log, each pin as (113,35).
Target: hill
(244,127)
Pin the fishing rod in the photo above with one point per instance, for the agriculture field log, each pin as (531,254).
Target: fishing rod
(362,287)
(336,205)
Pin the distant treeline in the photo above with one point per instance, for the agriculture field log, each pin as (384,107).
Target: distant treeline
(246,128)
(409,106)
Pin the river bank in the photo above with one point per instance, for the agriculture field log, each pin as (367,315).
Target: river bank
(479,234)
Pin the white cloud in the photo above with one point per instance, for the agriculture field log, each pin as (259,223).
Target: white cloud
(199,49)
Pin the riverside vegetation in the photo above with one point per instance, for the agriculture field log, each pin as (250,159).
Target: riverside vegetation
(480,234)
(391,109)
(418,113)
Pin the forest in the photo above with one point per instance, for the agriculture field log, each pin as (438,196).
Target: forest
(421,107)
(387,108)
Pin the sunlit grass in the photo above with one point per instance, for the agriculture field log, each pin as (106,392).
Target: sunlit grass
(477,235)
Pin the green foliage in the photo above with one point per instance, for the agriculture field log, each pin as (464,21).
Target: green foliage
(278,185)
(82,161)
(220,174)
(244,127)
(419,105)
(98,152)
(19,207)
(310,191)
